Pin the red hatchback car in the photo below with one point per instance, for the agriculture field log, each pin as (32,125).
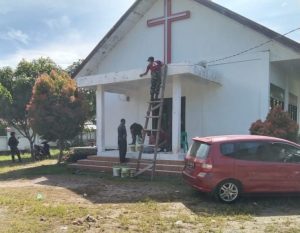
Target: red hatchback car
(228,166)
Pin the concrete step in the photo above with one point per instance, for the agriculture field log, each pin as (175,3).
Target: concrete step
(109,169)
(129,160)
(159,166)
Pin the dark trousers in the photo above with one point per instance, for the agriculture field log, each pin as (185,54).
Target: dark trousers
(15,151)
(122,150)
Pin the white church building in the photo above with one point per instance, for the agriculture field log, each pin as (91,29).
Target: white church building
(224,70)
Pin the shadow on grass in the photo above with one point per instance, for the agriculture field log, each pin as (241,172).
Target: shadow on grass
(101,188)
(5,163)
(32,172)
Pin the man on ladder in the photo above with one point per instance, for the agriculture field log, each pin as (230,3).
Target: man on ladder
(155,68)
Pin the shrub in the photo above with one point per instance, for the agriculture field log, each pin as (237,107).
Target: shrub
(77,153)
(278,124)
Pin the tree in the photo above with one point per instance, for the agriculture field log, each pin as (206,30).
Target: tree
(57,110)
(32,69)
(3,127)
(5,103)
(5,100)
(6,77)
(19,84)
(89,94)
(73,67)
(277,124)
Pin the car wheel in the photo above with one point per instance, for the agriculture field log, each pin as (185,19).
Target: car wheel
(228,191)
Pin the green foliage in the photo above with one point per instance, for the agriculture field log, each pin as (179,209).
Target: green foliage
(72,68)
(32,69)
(6,77)
(57,110)
(5,101)
(3,127)
(278,124)
(21,93)
(90,96)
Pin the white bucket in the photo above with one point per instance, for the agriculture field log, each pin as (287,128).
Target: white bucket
(131,173)
(116,171)
(132,148)
(124,172)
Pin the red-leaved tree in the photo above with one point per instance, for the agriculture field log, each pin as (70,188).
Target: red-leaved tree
(57,111)
(278,124)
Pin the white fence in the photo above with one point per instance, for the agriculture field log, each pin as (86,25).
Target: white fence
(88,138)
(3,143)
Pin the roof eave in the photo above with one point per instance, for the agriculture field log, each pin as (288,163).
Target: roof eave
(105,38)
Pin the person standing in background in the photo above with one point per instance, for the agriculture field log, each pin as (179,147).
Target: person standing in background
(122,141)
(13,144)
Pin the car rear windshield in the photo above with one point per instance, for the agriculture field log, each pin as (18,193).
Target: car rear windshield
(199,150)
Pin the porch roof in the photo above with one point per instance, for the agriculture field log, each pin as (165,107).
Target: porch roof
(289,66)
(131,77)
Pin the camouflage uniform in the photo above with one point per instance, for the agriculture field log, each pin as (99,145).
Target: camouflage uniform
(155,83)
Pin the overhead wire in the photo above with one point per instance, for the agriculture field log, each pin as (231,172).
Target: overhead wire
(204,63)
(254,47)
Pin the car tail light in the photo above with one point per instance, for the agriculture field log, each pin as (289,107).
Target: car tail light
(202,174)
(207,164)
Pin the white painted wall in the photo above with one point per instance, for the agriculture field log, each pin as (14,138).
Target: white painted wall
(279,76)
(232,107)
(117,107)
(3,143)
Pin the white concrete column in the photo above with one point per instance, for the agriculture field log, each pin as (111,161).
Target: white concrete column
(100,120)
(176,115)
(264,105)
(286,94)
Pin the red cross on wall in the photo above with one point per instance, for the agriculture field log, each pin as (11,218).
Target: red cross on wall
(167,21)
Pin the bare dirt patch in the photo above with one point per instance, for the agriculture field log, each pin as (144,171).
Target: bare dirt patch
(3,214)
(124,205)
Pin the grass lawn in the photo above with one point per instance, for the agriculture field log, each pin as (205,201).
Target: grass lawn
(45,197)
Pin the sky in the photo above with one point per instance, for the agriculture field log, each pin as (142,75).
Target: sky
(67,30)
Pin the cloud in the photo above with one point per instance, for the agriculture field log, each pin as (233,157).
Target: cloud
(4,10)
(63,54)
(15,35)
(59,23)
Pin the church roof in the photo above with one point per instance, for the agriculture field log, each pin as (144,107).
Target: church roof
(140,7)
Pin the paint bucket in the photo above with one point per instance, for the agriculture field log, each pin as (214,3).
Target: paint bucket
(132,148)
(124,172)
(116,171)
(132,173)
(138,147)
